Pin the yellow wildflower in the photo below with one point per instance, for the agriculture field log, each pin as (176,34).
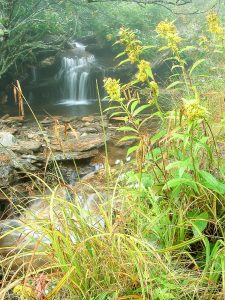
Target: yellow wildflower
(173,42)
(133,51)
(144,71)
(166,28)
(194,111)
(133,46)
(214,23)
(168,31)
(25,292)
(126,36)
(155,90)
(112,87)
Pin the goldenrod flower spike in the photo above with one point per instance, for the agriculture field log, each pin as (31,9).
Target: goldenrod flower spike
(214,23)
(144,70)
(168,31)
(112,87)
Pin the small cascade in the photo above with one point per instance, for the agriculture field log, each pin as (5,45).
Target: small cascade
(74,73)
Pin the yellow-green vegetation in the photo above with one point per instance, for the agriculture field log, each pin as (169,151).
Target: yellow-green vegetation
(158,233)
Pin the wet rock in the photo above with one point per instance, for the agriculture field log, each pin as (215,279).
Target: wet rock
(7,139)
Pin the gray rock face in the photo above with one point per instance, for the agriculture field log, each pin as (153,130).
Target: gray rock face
(7,139)
(7,172)
(67,156)
(26,147)
(7,175)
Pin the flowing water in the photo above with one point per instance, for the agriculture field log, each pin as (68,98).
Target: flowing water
(74,76)
(70,91)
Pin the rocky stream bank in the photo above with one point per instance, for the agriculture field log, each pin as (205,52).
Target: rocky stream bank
(56,149)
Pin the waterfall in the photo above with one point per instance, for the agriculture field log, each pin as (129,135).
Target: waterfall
(74,73)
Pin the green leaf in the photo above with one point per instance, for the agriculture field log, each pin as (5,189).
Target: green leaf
(181,182)
(163,48)
(140,109)
(212,183)
(181,165)
(149,73)
(129,137)
(187,49)
(132,149)
(200,223)
(134,105)
(173,84)
(120,54)
(117,113)
(196,64)
(175,66)
(123,62)
(127,128)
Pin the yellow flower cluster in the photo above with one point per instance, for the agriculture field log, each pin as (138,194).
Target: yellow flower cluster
(194,111)
(169,31)
(144,70)
(166,28)
(25,292)
(133,51)
(214,23)
(133,46)
(112,87)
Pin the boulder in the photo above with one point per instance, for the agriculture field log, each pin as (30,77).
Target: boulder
(7,139)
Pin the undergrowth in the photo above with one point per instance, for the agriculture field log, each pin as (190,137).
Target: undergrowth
(158,232)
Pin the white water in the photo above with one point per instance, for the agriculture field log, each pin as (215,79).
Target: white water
(74,74)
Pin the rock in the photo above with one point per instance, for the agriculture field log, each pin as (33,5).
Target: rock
(48,62)
(89,142)
(67,156)
(7,139)
(11,120)
(32,158)
(7,173)
(26,147)
(8,176)
(89,130)
(88,119)
(47,121)
(5,117)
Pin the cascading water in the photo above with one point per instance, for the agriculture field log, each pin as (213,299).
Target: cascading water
(75,72)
